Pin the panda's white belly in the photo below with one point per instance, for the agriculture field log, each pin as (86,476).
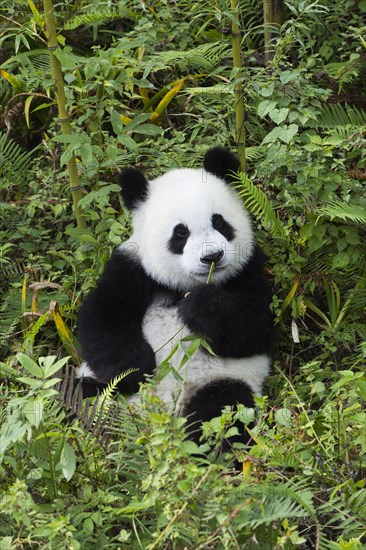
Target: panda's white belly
(163,330)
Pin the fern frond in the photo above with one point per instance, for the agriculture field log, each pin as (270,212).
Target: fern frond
(8,329)
(254,153)
(217,90)
(35,60)
(278,509)
(13,160)
(258,204)
(343,210)
(105,399)
(107,393)
(95,18)
(334,116)
(205,57)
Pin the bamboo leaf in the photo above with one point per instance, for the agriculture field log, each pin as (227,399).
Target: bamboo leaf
(287,301)
(13,81)
(63,332)
(169,96)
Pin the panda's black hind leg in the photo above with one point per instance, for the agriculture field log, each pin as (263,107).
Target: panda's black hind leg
(207,403)
(89,387)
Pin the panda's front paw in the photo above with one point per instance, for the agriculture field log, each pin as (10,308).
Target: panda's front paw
(200,309)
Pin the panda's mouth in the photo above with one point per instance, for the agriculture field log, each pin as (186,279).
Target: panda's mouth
(204,273)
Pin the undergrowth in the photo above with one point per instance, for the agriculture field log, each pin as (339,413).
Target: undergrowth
(99,474)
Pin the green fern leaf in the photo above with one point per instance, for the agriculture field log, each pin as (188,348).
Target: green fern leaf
(95,18)
(106,397)
(107,393)
(335,116)
(13,160)
(343,210)
(205,57)
(258,204)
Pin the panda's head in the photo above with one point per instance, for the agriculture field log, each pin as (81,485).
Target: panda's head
(187,219)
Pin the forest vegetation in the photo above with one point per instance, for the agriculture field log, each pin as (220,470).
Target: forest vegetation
(155,85)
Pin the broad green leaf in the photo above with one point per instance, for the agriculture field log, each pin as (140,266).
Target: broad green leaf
(127,141)
(266,107)
(283,417)
(83,235)
(116,122)
(137,121)
(148,130)
(245,414)
(30,365)
(32,382)
(86,153)
(68,461)
(361,389)
(287,76)
(288,132)
(279,115)
(33,411)
(190,447)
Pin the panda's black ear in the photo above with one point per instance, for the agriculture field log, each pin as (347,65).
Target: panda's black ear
(134,187)
(221,162)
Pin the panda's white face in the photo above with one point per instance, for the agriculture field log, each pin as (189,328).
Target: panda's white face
(189,219)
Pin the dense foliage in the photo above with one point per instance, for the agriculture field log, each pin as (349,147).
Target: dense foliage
(152,85)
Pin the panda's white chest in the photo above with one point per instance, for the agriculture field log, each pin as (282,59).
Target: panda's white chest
(178,380)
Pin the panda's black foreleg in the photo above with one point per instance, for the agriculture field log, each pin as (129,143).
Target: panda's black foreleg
(208,402)
(110,327)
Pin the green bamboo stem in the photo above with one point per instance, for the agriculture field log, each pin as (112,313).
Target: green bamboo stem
(272,15)
(63,115)
(238,88)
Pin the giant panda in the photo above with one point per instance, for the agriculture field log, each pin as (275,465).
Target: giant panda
(154,291)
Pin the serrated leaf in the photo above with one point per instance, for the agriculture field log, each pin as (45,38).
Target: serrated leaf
(283,417)
(190,447)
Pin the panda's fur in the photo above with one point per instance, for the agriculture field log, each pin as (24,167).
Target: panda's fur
(153,292)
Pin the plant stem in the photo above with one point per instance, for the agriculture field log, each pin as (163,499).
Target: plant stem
(52,45)
(272,15)
(238,88)
(213,265)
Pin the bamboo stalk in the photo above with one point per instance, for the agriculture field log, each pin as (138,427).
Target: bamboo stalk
(272,15)
(64,120)
(238,88)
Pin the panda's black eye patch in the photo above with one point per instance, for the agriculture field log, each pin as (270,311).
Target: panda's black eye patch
(178,239)
(222,226)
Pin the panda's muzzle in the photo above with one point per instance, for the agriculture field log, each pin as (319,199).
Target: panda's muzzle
(212,257)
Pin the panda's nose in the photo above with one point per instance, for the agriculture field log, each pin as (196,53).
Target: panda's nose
(213,257)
